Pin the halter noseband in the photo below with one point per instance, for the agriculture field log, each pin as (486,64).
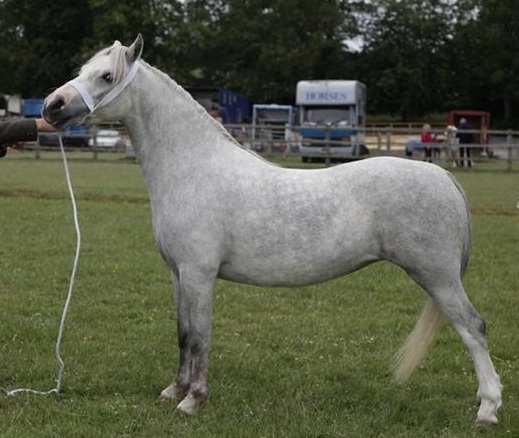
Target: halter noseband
(114,92)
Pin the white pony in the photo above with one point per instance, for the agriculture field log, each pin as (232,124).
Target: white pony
(222,211)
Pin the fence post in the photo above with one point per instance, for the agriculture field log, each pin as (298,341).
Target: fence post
(250,136)
(93,130)
(509,147)
(484,141)
(388,139)
(37,149)
(450,153)
(328,152)
(270,151)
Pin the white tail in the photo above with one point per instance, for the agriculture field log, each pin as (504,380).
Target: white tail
(419,341)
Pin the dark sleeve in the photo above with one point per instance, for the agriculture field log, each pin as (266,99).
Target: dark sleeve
(18,130)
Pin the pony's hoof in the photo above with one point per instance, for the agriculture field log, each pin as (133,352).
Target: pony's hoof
(187,407)
(487,413)
(179,412)
(481,423)
(190,404)
(168,394)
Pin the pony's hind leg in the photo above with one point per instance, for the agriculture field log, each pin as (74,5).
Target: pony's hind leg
(455,305)
(489,390)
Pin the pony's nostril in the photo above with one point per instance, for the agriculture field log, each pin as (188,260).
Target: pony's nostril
(56,105)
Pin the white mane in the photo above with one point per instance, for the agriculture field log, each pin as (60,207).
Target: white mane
(118,55)
(117,52)
(202,112)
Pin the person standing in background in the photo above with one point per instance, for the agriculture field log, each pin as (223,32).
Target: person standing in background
(465,138)
(427,140)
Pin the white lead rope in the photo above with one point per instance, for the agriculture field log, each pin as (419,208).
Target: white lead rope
(89,102)
(57,349)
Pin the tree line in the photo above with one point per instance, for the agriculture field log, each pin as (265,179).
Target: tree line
(417,57)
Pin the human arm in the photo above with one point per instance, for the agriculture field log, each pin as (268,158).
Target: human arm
(13,131)
(20,130)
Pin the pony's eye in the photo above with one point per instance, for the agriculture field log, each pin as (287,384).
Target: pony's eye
(108,77)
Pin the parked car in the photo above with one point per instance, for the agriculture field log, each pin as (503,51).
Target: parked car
(107,138)
(75,136)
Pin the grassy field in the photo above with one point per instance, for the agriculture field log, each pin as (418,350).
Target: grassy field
(313,362)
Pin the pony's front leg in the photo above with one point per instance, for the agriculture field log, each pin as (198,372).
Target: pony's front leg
(180,385)
(194,290)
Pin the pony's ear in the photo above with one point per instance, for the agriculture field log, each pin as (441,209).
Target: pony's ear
(135,50)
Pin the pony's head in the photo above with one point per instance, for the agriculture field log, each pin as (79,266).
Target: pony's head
(100,81)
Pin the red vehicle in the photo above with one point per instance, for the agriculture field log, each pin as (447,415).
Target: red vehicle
(479,120)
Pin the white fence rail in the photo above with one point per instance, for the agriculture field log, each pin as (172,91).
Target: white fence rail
(389,140)
(273,141)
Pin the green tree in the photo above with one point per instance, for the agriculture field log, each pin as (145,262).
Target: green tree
(44,44)
(40,43)
(404,58)
(263,47)
(489,49)
(157,20)
(417,56)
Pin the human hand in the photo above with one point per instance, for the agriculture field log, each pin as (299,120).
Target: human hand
(3,147)
(44,126)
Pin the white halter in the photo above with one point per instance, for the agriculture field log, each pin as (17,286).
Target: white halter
(114,92)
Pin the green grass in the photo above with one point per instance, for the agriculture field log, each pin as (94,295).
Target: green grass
(313,362)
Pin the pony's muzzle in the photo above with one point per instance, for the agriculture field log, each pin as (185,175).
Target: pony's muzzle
(53,108)
(60,110)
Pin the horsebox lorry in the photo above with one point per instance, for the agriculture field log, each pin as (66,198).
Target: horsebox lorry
(272,121)
(332,115)
(230,106)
